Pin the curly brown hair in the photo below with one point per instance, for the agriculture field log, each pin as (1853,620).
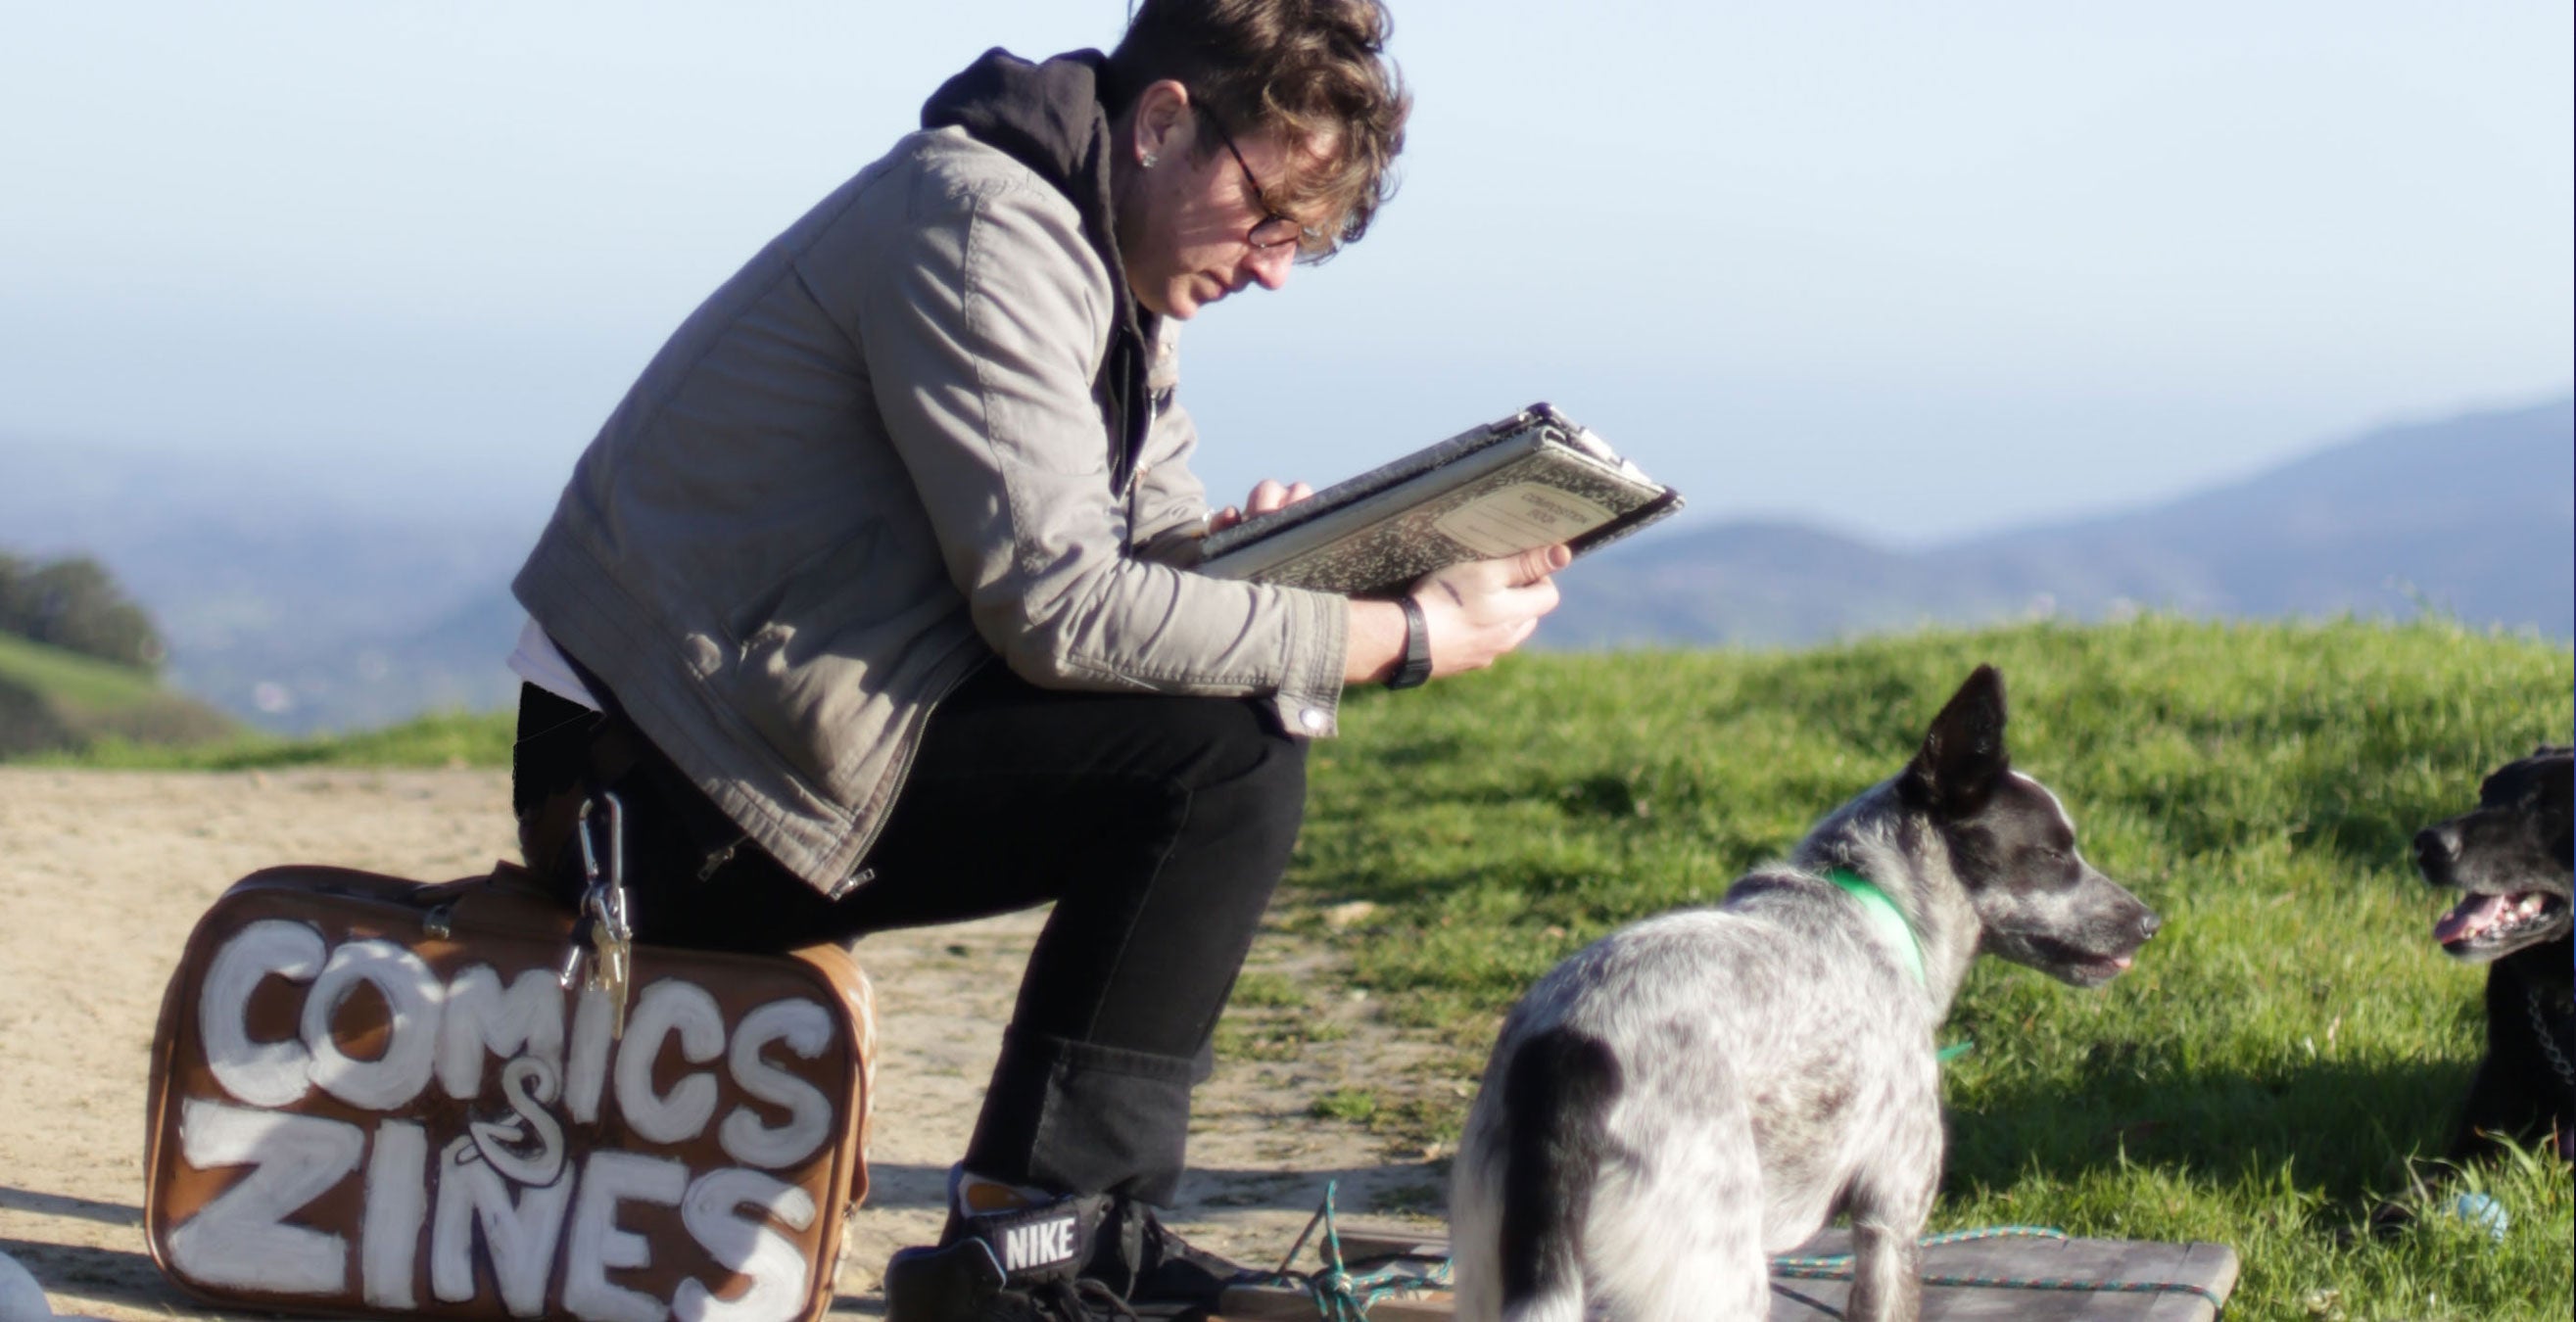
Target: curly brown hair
(1307,70)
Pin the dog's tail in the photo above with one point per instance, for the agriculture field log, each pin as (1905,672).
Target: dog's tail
(1557,1094)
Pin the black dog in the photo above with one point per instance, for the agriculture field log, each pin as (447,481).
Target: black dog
(2511,856)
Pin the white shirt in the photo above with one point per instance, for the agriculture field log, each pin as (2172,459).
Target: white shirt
(538,661)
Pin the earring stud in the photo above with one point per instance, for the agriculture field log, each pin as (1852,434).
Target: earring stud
(1150,158)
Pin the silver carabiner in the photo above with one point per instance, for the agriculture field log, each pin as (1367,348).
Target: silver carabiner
(604,932)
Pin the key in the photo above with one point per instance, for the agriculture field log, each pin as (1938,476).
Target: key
(610,972)
(574,948)
(611,949)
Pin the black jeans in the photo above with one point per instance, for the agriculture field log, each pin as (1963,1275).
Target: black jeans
(1158,827)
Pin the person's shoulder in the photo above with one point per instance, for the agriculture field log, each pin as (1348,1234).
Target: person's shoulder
(949,168)
(941,201)
(934,183)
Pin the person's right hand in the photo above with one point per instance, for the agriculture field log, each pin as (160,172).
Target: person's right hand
(1479,610)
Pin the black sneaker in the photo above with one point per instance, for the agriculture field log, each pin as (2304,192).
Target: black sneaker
(1022,1265)
(1161,1274)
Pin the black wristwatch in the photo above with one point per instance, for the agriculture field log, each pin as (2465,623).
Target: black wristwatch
(1415,669)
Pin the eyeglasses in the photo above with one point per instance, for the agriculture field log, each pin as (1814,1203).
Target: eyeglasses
(1274,228)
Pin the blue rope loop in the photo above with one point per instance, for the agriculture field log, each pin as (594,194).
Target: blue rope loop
(1343,1294)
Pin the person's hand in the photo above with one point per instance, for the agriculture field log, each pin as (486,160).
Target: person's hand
(1479,610)
(1267,495)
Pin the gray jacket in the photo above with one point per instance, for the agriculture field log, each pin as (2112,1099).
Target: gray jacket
(872,461)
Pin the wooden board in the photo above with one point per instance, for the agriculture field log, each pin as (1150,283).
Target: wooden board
(2210,1266)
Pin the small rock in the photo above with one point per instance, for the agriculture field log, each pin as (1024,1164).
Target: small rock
(1343,917)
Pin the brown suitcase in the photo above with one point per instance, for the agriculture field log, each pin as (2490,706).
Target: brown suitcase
(373,1096)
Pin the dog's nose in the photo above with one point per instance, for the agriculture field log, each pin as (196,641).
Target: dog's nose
(2149,924)
(2433,848)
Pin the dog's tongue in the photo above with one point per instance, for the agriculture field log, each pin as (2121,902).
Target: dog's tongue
(2469,917)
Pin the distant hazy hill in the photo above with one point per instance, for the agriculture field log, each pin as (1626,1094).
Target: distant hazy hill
(2475,517)
(298,597)
(348,598)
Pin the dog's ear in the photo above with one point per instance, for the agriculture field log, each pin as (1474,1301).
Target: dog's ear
(1963,756)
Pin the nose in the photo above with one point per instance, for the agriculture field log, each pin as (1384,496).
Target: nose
(2149,924)
(1270,266)
(2433,848)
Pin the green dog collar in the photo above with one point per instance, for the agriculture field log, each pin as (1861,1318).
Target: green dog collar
(1884,916)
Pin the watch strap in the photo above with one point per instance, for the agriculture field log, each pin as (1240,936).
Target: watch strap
(1415,669)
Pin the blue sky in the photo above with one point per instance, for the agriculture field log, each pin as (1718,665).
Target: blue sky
(1906,270)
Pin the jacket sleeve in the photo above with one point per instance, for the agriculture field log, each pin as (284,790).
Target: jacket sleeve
(981,327)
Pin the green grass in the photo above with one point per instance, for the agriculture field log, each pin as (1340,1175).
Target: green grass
(447,739)
(54,699)
(2282,1048)
(71,676)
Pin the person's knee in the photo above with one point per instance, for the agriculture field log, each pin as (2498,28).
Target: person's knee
(1262,799)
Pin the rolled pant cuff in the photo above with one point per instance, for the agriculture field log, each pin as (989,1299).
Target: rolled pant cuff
(1080,1118)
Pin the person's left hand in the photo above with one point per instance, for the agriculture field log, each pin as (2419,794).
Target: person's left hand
(1267,495)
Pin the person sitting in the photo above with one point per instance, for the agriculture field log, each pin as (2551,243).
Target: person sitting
(873,603)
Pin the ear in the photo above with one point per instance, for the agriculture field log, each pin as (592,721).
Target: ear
(2558,781)
(1963,756)
(1160,120)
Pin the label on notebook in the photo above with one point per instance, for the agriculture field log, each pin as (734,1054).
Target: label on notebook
(1520,516)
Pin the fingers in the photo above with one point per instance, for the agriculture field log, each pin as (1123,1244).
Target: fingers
(1269,495)
(1224,519)
(1537,563)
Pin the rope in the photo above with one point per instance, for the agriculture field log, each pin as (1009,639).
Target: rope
(1342,1294)
(1838,1267)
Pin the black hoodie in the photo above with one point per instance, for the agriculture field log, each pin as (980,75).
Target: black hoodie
(1050,117)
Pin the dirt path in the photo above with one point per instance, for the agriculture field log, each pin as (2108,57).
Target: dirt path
(103,873)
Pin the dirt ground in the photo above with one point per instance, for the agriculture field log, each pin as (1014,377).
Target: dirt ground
(102,874)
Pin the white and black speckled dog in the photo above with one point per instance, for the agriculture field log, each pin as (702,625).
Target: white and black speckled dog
(1692,1094)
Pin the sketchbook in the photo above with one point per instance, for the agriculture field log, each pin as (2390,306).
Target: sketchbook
(1530,480)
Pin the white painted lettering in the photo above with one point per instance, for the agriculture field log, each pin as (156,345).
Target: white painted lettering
(397,1202)
(528,1147)
(586,1074)
(607,1179)
(241,1238)
(480,1018)
(489,1180)
(519,1235)
(806,1029)
(412,992)
(667,1006)
(260,1073)
(746,1246)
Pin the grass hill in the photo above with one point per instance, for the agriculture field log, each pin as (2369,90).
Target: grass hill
(2285,1045)
(56,700)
